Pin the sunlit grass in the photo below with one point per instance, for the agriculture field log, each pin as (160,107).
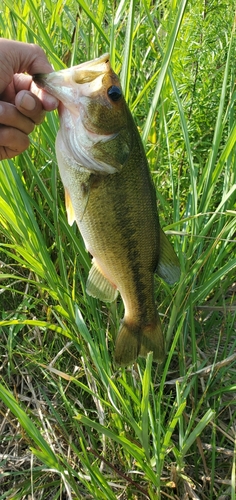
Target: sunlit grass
(73,424)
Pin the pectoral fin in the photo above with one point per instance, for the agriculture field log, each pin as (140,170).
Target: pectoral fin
(69,208)
(168,266)
(82,199)
(99,286)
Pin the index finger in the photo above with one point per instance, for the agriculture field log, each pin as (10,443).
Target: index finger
(20,57)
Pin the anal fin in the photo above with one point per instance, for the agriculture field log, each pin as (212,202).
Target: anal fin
(99,286)
(168,266)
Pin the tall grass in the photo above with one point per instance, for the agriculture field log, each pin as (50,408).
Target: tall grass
(72,424)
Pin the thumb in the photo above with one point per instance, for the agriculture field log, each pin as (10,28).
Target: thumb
(30,105)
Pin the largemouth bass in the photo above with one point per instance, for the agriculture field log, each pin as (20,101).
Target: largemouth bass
(110,194)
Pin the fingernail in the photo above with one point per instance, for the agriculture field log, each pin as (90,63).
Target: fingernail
(50,102)
(28,102)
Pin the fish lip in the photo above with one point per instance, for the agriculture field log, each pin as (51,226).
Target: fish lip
(39,79)
(54,83)
(96,64)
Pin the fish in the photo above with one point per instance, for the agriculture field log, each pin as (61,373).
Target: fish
(110,194)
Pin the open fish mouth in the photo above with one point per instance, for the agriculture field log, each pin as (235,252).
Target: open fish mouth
(85,78)
(81,90)
(88,71)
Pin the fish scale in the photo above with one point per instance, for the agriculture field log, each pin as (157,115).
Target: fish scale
(130,224)
(111,196)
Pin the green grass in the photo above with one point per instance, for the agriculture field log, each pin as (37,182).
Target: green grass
(72,424)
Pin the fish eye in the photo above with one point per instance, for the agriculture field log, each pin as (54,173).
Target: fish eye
(114,93)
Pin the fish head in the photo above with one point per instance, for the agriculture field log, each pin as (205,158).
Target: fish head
(94,117)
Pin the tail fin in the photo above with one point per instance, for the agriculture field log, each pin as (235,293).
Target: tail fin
(133,342)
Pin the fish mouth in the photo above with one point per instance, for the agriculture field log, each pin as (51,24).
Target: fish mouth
(87,71)
(80,89)
(63,82)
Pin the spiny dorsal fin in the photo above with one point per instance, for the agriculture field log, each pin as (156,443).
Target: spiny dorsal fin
(99,286)
(168,266)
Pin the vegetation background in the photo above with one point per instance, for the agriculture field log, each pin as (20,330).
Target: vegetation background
(73,425)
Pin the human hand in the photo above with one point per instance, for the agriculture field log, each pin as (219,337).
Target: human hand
(22,104)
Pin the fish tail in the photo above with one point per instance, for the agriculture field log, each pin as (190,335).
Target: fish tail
(133,341)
